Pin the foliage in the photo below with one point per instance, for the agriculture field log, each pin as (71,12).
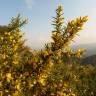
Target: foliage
(26,72)
(10,40)
(77,79)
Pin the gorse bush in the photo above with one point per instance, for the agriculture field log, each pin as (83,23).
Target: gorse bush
(10,42)
(51,71)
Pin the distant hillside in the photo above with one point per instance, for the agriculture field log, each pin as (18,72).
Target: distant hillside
(89,60)
(90,48)
(90,55)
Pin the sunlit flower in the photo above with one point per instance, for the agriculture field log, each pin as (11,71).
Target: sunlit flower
(15,62)
(8,76)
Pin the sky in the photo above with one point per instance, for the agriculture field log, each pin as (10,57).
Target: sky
(40,13)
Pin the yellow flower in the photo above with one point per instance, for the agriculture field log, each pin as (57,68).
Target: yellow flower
(6,90)
(15,94)
(1,93)
(34,82)
(15,62)
(18,86)
(4,56)
(8,33)
(8,76)
(15,47)
(34,95)
(42,81)
(11,37)
(51,64)
(5,62)
(15,55)
(2,38)
(14,41)
(73,95)
(0,83)
(65,85)
(31,85)
(45,53)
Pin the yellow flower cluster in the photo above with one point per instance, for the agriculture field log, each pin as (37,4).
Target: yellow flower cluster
(8,77)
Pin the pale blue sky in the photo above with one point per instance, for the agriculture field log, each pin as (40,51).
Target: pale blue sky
(40,12)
